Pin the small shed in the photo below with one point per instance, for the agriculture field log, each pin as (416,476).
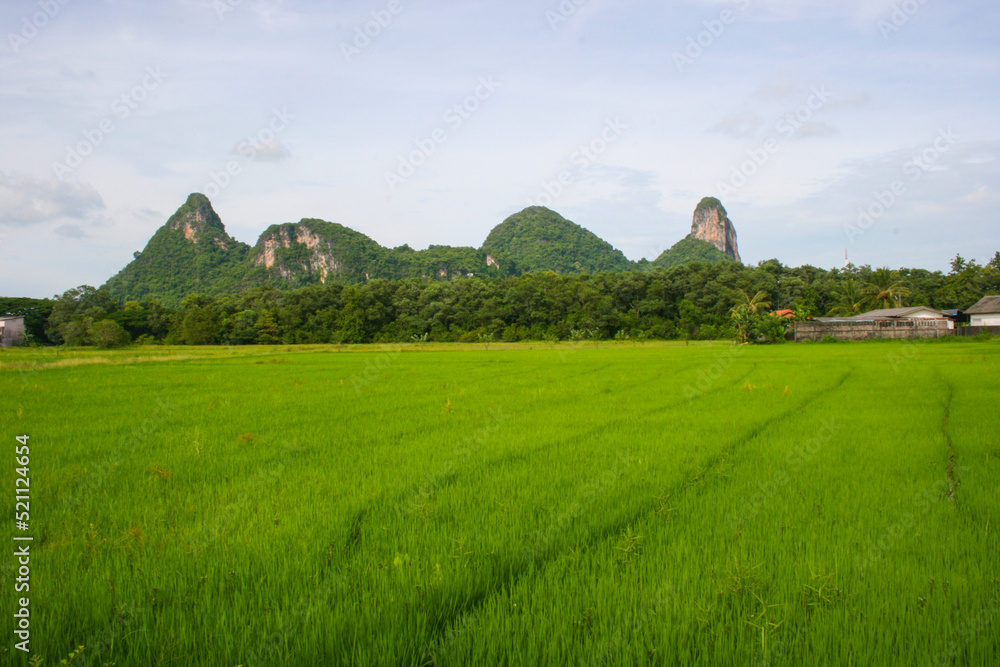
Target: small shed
(11,331)
(957,315)
(986,312)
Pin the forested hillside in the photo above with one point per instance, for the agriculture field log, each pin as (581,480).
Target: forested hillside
(193,254)
(687,250)
(539,239)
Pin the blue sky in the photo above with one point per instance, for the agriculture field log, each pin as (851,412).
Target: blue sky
(448,116)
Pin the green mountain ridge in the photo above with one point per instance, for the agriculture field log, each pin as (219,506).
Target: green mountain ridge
(687,250)
(193,254)
(539,239)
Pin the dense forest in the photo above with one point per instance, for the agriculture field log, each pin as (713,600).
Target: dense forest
(694,301)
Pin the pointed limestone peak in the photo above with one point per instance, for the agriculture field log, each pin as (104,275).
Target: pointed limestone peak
(712,224)
(198,220)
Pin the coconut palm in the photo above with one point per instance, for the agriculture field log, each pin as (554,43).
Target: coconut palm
(849,300)
(885,289)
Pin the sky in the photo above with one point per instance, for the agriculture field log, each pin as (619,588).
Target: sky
(824,126)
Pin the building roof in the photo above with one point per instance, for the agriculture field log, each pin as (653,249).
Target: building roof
(888,313)
(988,304)
(784,313)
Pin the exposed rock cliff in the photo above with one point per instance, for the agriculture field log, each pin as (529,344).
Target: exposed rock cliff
(197,220)
(315,251)
(712,224)
(318,257)
(193,254)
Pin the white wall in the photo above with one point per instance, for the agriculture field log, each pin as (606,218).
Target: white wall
(988,320)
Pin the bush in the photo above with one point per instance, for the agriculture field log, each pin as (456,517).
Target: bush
(772,329)
(107,334)
(830,339)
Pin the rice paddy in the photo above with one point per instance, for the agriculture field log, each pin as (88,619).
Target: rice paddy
(529,505)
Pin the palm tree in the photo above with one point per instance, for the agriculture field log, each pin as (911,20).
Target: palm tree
(746,314)
(850,300)
(885,289)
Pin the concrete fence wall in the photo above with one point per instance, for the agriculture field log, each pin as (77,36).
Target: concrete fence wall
(869,329)
(969,332)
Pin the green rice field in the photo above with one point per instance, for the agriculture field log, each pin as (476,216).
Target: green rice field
(597,504)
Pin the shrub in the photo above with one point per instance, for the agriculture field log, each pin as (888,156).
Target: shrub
(107,334)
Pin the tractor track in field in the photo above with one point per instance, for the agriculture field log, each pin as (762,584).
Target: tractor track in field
(382,416)
(945,428)
(627,418)
(666,375)
(446,480)
(512,569)
(603,426)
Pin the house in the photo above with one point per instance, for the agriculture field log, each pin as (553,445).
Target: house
(11,331)
(913,312)
(913,322)
(784,314)
(957,315)
(986,312)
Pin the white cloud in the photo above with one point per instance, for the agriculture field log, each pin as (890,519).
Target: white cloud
(71,231)
(861,13)
(268,151)
(776,91)
(816,129)
(981,194)
(739,125)
(26,200)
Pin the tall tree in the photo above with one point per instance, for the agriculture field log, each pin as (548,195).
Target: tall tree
(747,315)
(849,299)
(885,289)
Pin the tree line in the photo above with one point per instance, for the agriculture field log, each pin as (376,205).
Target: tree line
(694,301)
